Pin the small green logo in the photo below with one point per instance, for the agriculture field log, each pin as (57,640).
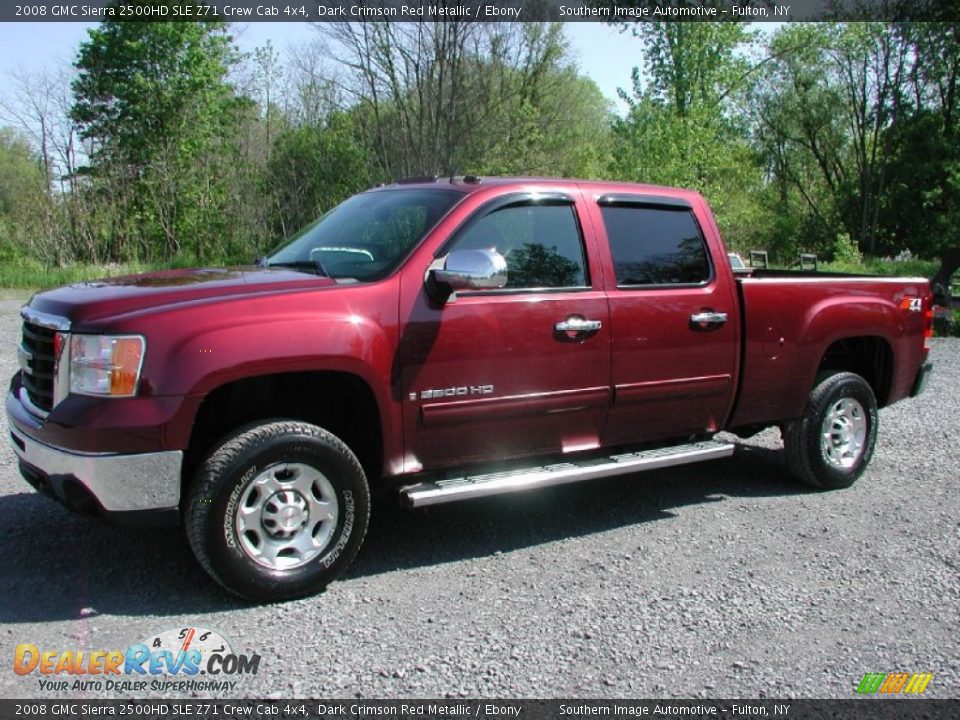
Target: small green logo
(894,683)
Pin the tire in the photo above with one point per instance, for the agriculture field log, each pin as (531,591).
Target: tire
(277,511)
(832,444)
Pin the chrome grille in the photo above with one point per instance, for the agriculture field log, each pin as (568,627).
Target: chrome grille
(37,360)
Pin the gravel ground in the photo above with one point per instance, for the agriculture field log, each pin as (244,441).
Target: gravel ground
(718,580)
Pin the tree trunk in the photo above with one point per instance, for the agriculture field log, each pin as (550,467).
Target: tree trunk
(949,264)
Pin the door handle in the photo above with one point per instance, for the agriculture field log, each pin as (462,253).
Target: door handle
(708,317)
(577,324)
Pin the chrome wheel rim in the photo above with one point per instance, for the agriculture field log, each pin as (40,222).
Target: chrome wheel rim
(286,516)
(843,434)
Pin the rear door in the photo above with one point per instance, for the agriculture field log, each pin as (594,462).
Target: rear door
(492,374)
(673,320)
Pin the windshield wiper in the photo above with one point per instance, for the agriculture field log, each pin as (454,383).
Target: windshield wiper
(314,266)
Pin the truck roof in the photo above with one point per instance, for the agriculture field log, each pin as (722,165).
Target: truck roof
(472,183)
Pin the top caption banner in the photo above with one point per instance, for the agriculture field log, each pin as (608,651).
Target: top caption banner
(625,11)
(482,709)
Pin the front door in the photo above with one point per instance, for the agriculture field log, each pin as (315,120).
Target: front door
(493,374)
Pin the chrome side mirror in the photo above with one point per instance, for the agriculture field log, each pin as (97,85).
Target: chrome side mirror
(470,270)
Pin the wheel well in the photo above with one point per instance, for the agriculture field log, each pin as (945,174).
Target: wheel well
(869,357)
(338,402)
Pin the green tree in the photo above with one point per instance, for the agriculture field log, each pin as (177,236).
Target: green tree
(465,96)
(801,137)
(858,125)
(923,207)
(827,108)
(682,127)
(312,168)
(141,84)
(23,189)
(558,126)
(153,103)
(21,175)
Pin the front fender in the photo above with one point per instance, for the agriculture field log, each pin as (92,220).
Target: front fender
(195,349)
(199,362)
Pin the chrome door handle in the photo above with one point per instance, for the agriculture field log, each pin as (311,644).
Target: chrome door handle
(578,324)
(709,318)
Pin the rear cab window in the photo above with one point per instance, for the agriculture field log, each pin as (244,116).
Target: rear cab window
(655,245)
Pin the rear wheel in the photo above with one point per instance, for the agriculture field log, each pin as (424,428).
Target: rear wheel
(832,444)
(277,511)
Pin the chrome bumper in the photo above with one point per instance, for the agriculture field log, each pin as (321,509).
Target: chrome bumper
(119,483)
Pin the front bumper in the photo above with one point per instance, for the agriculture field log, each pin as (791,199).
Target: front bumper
(131,489)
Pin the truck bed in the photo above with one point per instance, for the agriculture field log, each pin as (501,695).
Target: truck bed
(792,319)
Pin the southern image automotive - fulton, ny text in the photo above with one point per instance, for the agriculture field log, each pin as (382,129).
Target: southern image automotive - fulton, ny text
(640,710)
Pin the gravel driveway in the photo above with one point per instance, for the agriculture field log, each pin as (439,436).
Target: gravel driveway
(717,580)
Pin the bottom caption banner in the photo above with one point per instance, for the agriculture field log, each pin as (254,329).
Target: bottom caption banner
(898,709)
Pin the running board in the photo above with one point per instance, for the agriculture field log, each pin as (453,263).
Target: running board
(473,486)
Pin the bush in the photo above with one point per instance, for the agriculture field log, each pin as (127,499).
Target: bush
(884,266)
(947,324)
(845,250)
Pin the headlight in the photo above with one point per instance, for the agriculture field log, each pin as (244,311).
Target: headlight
(105,364)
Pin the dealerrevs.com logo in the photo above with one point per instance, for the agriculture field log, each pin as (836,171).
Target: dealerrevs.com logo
(173,660)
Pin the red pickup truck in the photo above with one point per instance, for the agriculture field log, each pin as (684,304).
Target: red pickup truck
(441,340)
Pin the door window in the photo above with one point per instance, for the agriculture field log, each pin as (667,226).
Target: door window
(541,244)
(655,246)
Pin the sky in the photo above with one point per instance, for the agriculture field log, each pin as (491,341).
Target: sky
(602,53)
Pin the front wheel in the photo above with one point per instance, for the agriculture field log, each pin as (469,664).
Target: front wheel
(831,445)
(277,511)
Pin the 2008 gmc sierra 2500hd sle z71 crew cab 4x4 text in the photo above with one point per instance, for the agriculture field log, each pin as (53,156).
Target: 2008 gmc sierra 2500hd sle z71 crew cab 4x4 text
(444,339)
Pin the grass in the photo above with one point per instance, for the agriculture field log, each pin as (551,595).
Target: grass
(32,274)
(886,267)
(891,268)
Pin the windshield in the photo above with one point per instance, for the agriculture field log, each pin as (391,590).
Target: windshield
(366,236)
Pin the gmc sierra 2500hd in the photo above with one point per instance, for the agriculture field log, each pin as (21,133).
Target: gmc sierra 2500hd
(444,339)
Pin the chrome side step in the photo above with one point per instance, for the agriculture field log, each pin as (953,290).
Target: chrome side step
(472,486)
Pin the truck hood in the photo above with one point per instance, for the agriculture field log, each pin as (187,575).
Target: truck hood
(103,299)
